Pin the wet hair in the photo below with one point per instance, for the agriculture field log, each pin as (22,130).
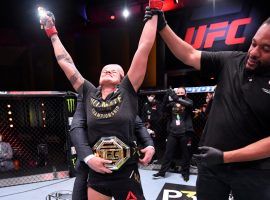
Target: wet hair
(267,21)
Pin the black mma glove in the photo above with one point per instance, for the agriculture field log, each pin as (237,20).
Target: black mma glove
(161,18)
(148,14)
(48,23)
(209,156)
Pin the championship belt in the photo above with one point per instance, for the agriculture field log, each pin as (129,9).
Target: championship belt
(112,148)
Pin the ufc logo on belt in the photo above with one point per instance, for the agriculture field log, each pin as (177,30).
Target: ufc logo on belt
(215,32)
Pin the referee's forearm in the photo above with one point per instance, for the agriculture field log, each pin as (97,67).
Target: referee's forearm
(255,151)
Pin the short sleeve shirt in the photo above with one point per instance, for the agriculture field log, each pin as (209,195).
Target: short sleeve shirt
(240,111)
(114,116)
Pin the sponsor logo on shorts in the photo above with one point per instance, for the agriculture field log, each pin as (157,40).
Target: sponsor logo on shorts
(131,196)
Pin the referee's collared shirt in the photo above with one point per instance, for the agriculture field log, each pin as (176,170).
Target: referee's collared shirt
(240,114)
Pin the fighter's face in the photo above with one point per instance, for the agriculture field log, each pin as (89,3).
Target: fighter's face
(111,74)
(259,50)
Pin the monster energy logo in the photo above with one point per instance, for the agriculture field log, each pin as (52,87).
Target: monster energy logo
(71,104)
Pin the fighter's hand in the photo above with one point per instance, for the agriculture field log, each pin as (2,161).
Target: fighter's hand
(148,152)
(152,9)
(209,156)
(98,165)
(149,12)
(48,22)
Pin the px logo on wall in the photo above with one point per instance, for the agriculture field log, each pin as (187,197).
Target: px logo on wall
(70,105)
(177,192)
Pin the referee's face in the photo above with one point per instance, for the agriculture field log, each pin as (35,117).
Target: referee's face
(259,50)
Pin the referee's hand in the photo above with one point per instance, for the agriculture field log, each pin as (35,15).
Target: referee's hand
(209,156)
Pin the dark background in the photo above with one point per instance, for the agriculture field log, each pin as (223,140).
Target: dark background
(27,61)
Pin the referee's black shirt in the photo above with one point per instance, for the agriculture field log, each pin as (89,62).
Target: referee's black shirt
(240,113)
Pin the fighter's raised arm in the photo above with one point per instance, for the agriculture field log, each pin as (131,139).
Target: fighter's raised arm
(63,57)
(138,66)
(181,49)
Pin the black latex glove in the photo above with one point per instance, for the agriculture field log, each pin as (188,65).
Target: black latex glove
(161,18)
(209,156)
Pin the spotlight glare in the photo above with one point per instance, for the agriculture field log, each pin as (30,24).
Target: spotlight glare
(41,12)
(125,13)
(8,105)
(11,125)
(10,119)
(9,112)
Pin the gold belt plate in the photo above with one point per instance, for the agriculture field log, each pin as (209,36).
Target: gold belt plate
(112,148)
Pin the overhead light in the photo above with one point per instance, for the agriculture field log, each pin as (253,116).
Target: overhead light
(125,13)
(112,17)
(42,12)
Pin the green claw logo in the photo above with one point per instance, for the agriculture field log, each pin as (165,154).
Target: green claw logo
(71,105)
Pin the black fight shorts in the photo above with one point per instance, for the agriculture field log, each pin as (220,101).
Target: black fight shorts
(124,183)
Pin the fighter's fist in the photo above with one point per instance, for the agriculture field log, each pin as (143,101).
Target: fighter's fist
(149,12)
(47,21)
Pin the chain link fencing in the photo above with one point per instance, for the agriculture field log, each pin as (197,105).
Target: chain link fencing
(34,128)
